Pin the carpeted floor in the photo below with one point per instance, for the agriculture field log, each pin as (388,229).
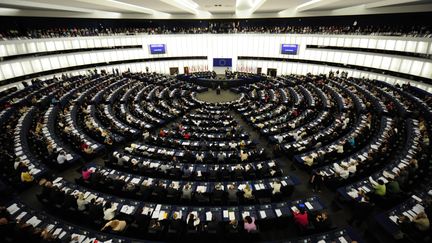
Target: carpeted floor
(212,97)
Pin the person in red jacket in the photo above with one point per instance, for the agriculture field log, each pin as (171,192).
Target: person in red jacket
(301,217)
(186,135)
(162,133)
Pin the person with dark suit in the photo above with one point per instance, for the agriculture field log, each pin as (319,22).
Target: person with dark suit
(172,193)
(159,192)
(95,209)
(218,194)
(322,222)
(317,181)
(69,202)
(192,222)
(57,196)
(232,193)
(176,223)
(213,225)
(47,188)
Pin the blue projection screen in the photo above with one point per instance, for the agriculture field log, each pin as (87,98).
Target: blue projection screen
(290,49)
(222,62)
(157,48)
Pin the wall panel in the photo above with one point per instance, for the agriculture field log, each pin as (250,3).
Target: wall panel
(223,45)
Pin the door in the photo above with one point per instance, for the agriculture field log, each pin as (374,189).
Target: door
(186,70)
(259,70)
(272,72)
(174,70)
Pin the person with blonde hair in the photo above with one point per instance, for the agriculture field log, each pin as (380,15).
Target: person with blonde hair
(114,225)
(243,155)
(248,192)
(421,222)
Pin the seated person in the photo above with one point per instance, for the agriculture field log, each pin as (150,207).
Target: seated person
(218,192)
(114,225)
(172,191)
(109,211)
(247,192)
(192,221)
(232,193)
(301,217)
(212,225)
(187,192)
(380,188)
(249,224)
(407,228)
(308,160)
(421,222)
(176,223)
(95,209)
(46,189)
(322,222)
(276,187)
(155,225)
(393,187)
(26,177)
(232,226)
(61,157)
(86,173)
(81,202)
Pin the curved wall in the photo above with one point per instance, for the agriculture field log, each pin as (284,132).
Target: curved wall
(224,46)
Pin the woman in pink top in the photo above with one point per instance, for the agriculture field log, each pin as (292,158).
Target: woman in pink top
(249,224)
(86,173)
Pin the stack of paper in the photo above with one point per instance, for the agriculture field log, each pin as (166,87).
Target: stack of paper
(231,215)
(309,205)
(12,209)
(278,212)
(244,214)
(209,216)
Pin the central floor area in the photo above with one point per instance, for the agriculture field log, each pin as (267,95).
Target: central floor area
(224,96)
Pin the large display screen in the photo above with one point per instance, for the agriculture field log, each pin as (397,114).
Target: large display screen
(157,48)
(222,62)
(290,49)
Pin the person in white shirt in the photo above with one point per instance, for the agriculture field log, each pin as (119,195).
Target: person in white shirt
(341,170)
(296,136)
(276,187)
(309,160)
(61,158)
(352,167)
(199,157)
(243,155)
(163,168)
(146,135)
(114,225)
(345,122)
(279,138)
(109,211)
(81,203)
(344,174)
(121,160)
(233,145)
(339,148)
